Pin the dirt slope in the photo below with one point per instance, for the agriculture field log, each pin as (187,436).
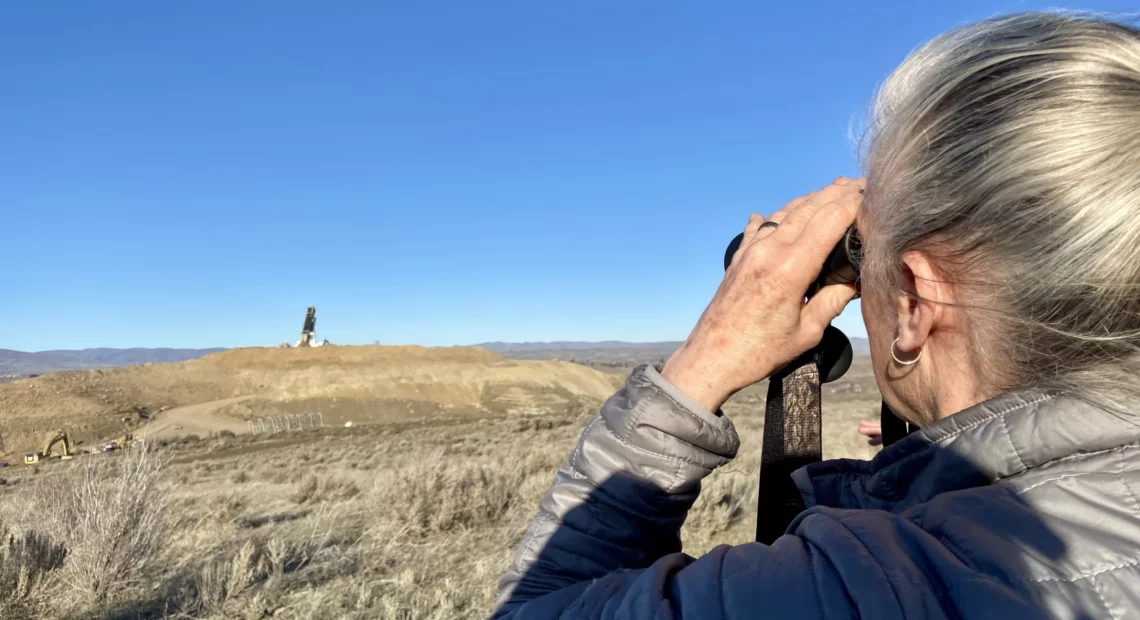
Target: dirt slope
(202,419)
(359,384)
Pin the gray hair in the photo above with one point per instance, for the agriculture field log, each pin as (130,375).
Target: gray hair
(1009,151)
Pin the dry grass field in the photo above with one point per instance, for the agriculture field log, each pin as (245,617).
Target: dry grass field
(402,518)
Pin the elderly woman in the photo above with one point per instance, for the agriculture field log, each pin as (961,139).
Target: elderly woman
(1001,292)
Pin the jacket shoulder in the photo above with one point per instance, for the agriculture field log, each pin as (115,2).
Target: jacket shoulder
(883,552)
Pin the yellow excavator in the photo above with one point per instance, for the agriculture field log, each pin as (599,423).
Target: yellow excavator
(56,437)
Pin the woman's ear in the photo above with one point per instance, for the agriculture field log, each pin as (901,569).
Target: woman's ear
(920,305)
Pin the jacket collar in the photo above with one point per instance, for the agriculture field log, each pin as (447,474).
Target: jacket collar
(1001,437)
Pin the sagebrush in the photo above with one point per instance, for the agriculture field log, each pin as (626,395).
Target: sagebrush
(368,522)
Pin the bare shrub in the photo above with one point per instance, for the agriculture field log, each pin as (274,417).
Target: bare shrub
(277,552)
(543,423)
(411,596)
(445,495)
(318,489)
(726,497)
(108,513)
(324,532)
(221,582)
(28,565)
(445,506)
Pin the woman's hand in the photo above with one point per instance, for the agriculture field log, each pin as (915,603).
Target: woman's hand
(758,321)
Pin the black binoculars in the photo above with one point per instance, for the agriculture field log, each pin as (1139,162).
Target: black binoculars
(833,354)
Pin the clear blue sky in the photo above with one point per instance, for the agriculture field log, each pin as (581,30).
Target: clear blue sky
(197,173)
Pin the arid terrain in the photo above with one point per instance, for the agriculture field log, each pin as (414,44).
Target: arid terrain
(411,512)
(346,384)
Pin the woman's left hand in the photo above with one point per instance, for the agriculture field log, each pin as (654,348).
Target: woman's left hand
(758,321)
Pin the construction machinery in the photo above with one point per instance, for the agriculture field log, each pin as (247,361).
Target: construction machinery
(309,331)
(53,438)
(119,443)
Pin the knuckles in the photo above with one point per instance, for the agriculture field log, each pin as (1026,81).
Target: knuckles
(786,266)
(768,261)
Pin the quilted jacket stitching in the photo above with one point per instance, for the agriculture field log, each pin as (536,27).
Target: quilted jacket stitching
(1096,591)
(1053,479)
(673,478)
(578,448)
(626,442)
(1124,483)
(530,540)
(632,419)
(1107,569)
(1080,456)
(935,443)
(882,570)
(1009,438)
(723,434)
(1000,412)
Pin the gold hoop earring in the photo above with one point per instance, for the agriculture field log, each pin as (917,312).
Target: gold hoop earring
(896,357)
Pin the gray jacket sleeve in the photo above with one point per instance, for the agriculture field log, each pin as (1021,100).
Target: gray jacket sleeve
(605,542)
(620,500)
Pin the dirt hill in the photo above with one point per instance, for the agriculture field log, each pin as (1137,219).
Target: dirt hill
(358,384)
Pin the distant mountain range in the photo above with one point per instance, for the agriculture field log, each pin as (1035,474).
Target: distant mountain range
(501,347)
(610,352)
(22,363)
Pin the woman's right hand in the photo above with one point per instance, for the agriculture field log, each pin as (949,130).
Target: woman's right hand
(758,321)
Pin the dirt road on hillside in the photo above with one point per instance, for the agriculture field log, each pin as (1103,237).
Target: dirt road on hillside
(366,384)
(201,419)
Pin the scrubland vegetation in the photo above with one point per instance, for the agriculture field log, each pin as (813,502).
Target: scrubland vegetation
(412,521)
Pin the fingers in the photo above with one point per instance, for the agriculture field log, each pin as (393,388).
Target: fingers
(754,222)
(827,226)
(756,229)
(799,218)
(872,430)
(822,309)
(765,231)
(798,213)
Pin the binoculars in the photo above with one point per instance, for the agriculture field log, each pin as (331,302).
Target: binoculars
(833,354)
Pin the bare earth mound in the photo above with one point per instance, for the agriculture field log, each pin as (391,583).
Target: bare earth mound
(357,384)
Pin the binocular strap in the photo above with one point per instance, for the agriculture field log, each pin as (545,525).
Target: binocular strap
(792,439)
